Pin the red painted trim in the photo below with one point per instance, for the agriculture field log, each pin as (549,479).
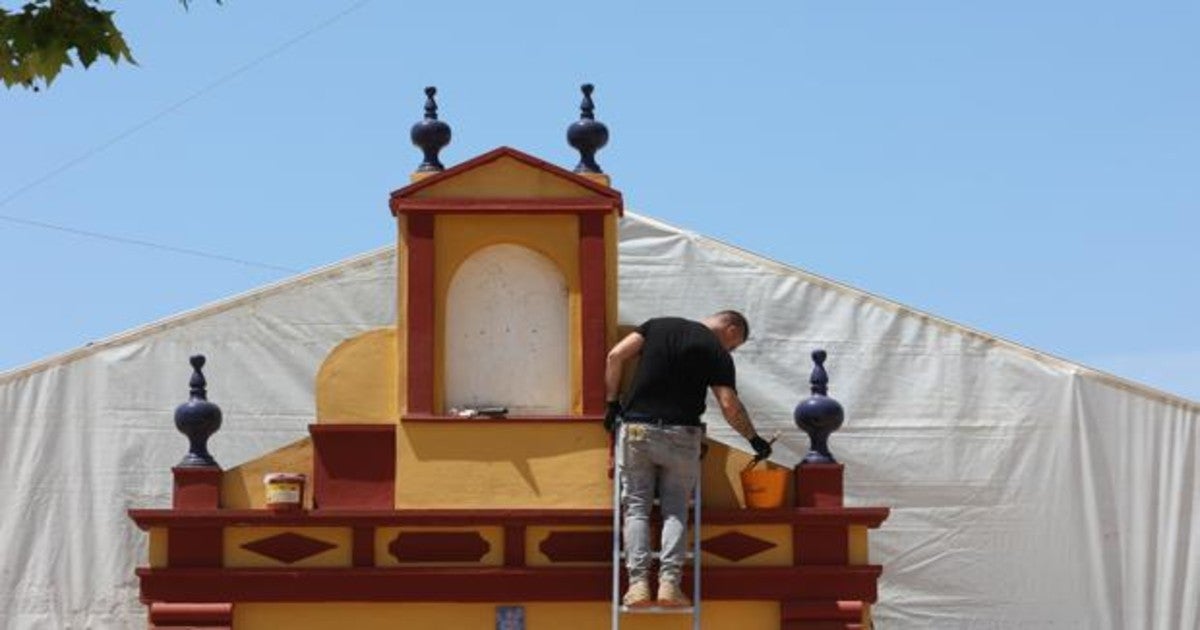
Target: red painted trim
(583,206)
(815,544)
(597,517)
(181,615)
(828,610)
(496,154)
(421,312)
(820,625)
(354,466)
(363,546)
(288,547)
(424,584)
(439,547)
(195,547)
(819,485)
(514,546)
(196,488)
(578,546)
(593,308)
(441,419)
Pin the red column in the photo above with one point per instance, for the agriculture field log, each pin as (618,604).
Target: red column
(420,351)
(593,301)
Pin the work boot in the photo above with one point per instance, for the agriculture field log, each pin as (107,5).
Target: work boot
(638,595)
(670,595)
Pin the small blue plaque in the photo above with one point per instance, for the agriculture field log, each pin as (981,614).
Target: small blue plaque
(510,618)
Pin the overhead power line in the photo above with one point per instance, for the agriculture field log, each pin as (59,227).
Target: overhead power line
(143,243)
(103,146)
(222,80)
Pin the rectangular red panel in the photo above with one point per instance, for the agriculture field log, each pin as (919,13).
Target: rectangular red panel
(819,485)
(194,547)
(514,545)
(593,299)
(354,466)
(364,546)
(821,545)
(196,488)
(420,316)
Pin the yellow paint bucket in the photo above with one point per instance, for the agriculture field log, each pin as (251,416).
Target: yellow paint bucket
(764,487)
(285,491)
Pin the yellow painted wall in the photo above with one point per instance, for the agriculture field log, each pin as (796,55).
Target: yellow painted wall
(502,465)
(527,465)
(717,615)
(236,557)
(505,178)
(358,381)
(858,552)
(456,237)
(242,486)
(158,547)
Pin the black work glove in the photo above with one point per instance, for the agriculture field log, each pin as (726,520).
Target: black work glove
(762,448)
(612,415)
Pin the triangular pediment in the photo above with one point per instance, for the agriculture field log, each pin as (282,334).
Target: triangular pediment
(506,173)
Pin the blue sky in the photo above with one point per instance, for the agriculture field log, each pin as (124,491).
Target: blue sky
(1028,169)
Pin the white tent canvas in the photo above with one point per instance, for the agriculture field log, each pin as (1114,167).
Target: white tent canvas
(1026,491)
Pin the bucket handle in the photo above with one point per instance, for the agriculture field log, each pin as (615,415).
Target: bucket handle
(754,462)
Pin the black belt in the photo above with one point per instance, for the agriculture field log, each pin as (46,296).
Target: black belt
(663,422)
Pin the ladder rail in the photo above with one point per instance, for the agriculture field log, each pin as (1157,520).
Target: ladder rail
(618,461)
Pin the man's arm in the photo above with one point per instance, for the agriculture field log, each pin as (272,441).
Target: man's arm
(614,365)
(734,411)
(737,417)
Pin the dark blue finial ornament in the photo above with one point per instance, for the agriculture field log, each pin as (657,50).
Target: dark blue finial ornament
(819,415)
(198,419)
(430,135)
(587,134)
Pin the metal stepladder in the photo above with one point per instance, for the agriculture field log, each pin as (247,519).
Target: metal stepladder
(618,555)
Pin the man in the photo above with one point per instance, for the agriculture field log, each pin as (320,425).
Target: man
(661,432)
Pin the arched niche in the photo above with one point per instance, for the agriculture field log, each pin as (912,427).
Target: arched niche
(508,333)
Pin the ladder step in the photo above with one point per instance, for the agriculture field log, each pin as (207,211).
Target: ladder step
(658,610)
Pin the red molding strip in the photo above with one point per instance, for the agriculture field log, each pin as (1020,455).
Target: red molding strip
(489,584)
(586,206)
(495,154)
(444,419)
(178,615)
(598,517)
(828,610)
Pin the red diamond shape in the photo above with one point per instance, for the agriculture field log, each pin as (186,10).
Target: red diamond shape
(288,547)
(735,546)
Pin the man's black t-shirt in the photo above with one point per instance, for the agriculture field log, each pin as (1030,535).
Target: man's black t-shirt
(680,360)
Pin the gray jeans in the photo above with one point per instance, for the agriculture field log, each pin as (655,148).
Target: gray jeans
(666,458)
